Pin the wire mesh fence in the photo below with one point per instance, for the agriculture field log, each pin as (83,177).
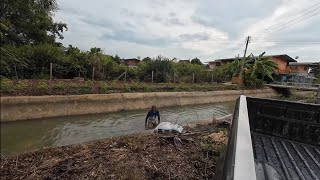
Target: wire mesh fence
(124,74)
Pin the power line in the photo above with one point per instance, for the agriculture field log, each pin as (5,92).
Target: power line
(282,42)
(303,13)
(268,34)
(297,17)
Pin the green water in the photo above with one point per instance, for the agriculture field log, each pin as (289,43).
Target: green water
(22,136)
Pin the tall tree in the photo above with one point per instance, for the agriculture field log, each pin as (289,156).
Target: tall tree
(29,22)
(146,59)
(116,59)
(196,61)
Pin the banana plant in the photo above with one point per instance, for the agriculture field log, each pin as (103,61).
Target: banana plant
(263,66)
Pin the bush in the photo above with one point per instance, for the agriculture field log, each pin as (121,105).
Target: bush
(42,87)
(252,82)
(317,80)
(21,86)
(6,85)
(104,88)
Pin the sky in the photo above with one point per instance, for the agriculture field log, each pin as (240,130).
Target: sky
(185,29)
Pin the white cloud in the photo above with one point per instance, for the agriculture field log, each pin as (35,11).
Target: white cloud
(186,28)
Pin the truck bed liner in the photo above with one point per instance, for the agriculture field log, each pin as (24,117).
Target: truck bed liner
(274,138)
(291,159)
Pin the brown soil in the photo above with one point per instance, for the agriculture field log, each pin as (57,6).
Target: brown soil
(152,156)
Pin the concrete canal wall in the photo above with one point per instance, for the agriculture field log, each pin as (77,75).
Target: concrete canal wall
(36,107)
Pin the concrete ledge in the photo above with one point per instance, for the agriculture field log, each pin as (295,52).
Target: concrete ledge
(36,107)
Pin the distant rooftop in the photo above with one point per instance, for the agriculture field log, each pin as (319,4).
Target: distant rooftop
(304,64)
(132,59)
(184,61)
(285,56)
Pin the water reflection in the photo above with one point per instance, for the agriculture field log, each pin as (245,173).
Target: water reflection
(18,137)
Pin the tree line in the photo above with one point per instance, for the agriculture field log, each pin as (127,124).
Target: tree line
(28,46)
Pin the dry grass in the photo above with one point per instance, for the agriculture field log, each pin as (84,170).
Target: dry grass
(128,157)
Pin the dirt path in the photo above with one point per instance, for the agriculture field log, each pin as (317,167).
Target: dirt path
(152,156)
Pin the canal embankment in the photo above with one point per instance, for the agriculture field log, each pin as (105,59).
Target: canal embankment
(36,107)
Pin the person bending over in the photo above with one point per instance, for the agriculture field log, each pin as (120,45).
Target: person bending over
(151,118)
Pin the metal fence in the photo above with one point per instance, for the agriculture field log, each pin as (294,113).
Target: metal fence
(126,75)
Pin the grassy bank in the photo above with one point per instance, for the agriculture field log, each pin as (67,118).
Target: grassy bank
(301,96)
(72,87)
(128,157)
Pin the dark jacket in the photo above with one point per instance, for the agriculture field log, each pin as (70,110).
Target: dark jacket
(152,113)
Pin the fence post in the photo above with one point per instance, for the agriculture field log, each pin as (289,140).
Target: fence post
(15,69)
(125,76)
(174,77)
(103,76)
(192,77)
(152,77)
(211,78)
(93,73)
(318,96)
(50,72)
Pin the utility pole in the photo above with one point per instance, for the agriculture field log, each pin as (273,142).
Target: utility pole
(244,56)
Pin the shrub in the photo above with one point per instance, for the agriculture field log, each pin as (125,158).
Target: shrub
(59,86)
(252,82)
(6,85)
(42,87)
(104,88)
(21,86)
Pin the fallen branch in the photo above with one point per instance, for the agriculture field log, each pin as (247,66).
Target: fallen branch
(155,167)
(4,157)
(17,162)
(206,165)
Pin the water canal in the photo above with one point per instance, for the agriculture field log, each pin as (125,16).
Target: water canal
(21,136)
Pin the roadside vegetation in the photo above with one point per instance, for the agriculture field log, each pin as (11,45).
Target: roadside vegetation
(72,87)
(316,72)
(28,49)
(300,96)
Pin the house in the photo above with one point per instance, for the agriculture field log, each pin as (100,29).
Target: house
(134,62)
(288,68)
(184,61)
(282,61)
(304,67)
(300,72)
(219,62)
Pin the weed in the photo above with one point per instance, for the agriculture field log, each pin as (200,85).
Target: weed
(42,87)
(104,88)
(6,85)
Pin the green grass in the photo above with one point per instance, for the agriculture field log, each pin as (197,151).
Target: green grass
(69,87)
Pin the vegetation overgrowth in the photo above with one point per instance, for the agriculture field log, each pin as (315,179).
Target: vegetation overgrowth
(27,49)
(72,87)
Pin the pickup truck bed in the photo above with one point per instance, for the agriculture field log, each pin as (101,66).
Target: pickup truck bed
(272,140)
(291,159)
(286,136)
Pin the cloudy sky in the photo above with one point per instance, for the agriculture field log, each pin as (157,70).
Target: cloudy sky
(186,29)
